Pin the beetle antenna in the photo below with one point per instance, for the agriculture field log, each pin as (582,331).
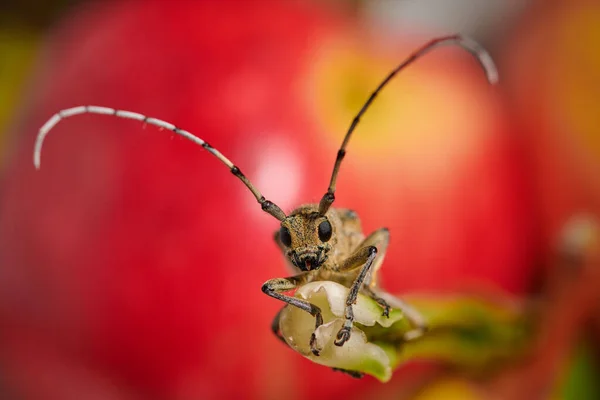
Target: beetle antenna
(265,204)
(482,56)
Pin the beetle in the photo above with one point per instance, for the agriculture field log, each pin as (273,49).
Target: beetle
(320,242)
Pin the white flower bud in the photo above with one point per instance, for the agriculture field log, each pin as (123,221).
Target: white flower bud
(358,354)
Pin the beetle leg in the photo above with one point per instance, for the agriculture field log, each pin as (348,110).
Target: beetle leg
(275,326)
(413,316)
(380,300)
(354,374)
(275,288)
(365,257)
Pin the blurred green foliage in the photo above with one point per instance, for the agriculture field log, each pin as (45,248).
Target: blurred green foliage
(581,377)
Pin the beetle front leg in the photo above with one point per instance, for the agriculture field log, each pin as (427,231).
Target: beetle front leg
(275,288)
(364,256)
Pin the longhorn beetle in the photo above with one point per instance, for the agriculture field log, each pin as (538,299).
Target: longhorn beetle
(320,242)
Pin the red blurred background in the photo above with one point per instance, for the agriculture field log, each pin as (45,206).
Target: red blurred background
(131,263)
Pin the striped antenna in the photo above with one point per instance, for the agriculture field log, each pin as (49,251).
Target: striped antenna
(265,204)
(485,60)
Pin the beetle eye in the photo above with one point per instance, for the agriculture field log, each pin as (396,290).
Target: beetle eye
(325,231)
(285,237)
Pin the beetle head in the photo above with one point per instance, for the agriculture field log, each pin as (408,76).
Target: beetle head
(307,237)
